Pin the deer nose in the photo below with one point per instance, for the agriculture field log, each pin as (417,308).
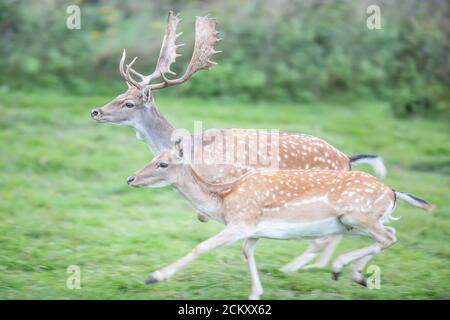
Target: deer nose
(95,112)
(130,179)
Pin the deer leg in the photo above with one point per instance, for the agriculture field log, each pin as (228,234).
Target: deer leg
(249,248)
(358,266)
(315,247)
(383,239)
(226,236)
(330,247)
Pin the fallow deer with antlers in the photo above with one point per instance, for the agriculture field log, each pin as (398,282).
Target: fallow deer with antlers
(136,107)
(281,204)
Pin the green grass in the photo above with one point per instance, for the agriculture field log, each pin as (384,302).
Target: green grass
(64,201)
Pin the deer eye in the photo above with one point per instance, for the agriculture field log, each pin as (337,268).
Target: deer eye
(163,165)
(129,105)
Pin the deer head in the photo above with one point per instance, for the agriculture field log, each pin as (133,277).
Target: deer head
(162,171)
(129,107)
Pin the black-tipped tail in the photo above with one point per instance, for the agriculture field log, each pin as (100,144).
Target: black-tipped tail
(375,162)
(417,202)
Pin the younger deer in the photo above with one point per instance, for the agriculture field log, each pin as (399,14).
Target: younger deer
(281,204)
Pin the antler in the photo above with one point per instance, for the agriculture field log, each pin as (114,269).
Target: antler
(205,38)
(167,56)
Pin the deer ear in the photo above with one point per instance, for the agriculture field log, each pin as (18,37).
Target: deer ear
(178,146)
(146,94)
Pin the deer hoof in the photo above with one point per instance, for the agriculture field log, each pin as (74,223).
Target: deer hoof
(336,275)
(151,280)
(362,282)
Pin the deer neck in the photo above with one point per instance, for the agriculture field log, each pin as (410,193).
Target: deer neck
(154,129)
(197,191)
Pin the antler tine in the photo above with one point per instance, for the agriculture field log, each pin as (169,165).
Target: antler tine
(126,74)
(205,39)
(168,54)
(121,63)
(122,68)
(130,79)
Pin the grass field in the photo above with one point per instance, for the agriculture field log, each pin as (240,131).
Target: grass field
(64,201)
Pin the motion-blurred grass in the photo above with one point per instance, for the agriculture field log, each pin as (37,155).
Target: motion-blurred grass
(64,201)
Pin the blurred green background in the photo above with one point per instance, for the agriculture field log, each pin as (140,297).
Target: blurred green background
(280,50)
(300,66)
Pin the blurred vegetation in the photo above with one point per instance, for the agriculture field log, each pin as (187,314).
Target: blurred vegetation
(64,201)
(296,50)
